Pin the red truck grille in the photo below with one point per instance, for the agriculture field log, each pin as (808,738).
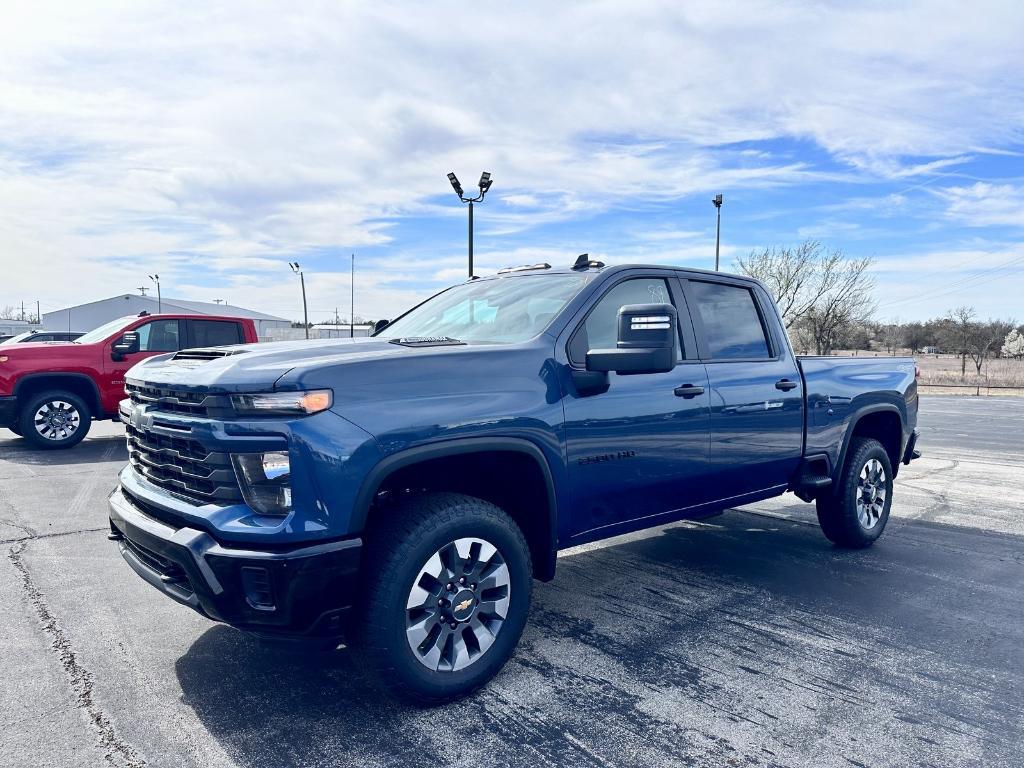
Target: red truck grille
(182,466)
(179,401)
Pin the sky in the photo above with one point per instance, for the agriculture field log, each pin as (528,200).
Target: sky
(214,143)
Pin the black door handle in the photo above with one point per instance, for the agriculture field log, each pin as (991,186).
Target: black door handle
(785,385)
(688,391)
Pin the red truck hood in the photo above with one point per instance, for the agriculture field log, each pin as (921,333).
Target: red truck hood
(40,356)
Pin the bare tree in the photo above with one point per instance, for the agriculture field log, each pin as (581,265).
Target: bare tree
(892,336)
(1013,344)
(7,312)
(796,277)
(985,339)
(846,302)
(956,332)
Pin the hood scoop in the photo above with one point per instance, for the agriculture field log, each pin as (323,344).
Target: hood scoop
(196,356)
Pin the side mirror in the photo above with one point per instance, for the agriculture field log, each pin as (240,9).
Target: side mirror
(646,342)
(380,325)
(126,345)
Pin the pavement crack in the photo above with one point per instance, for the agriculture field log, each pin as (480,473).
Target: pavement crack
(40,536)
(118,751)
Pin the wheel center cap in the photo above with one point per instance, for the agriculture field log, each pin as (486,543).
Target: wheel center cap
(463,604)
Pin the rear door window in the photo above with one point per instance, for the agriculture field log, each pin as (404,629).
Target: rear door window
(733,329)
(214,333)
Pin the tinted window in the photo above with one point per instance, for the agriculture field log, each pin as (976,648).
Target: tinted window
(214,333)
(732,324)
(159,336)
(601,330)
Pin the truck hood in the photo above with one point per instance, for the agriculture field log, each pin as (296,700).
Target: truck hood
(262,367)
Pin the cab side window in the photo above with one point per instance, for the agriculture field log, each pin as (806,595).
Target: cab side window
(732,323)
(159,336)
(600,329)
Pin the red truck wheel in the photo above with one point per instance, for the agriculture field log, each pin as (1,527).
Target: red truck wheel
(54,419)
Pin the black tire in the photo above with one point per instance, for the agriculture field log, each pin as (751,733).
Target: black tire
(852,514)
(70,410)
(15,429)
(399,548)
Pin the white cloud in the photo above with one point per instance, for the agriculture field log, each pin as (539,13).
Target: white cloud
(985,205)
(207,142)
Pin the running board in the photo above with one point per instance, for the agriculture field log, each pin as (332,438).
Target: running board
(812,478)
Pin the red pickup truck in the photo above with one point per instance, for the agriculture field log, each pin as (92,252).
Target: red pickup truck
(51,392)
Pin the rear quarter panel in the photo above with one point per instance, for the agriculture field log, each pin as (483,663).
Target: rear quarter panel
(840,390)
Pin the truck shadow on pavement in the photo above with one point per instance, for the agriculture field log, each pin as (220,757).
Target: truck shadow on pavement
(742,640)
(16,450)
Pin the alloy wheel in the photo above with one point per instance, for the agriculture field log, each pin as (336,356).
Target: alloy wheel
(57,420)
(457,605)
(872,489)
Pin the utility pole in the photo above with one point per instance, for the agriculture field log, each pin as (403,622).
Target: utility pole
(302,279)
(484,185)
(717,201)
(23,311)
(159,298)
(39,317)
(143,289)
(352,299)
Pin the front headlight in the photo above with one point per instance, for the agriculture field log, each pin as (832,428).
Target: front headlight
(265,479)
(283,403)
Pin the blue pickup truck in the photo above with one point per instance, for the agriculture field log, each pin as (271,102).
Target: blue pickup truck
(403,491)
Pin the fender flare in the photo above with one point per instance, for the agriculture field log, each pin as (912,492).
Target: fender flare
(455,447)
(859,414)
(95,403)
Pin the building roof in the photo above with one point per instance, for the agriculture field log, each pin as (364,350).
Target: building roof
(183,306)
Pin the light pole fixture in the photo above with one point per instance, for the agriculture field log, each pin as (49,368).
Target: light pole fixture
(717,201)
(159,298)
(302,279)
(484,185)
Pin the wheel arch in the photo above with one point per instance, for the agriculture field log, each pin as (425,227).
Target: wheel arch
(482,467)
(882,422)
(76,383)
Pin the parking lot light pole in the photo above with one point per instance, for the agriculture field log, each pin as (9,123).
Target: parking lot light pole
(302,279)
(159,299)
(717,201)
(484,185)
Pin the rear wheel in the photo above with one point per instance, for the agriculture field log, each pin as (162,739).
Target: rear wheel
(447,595)
(854,514)
(15,429)
(54,419)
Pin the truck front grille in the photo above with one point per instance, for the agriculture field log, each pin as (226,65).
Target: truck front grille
(178,401)
(183,466)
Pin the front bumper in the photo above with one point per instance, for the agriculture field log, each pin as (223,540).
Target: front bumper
(8,410)
(304,591)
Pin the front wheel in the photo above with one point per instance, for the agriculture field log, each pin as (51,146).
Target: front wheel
(855,512)
(55,419)
(447,592)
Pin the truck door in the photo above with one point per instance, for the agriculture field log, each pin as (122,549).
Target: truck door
(756,389)
(640,448)
(156,337)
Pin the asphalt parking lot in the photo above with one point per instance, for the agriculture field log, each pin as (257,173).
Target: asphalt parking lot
(745,640)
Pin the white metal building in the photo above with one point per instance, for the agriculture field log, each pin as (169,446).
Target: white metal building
(14,327)
(85,317)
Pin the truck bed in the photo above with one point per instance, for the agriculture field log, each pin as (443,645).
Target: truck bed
(840,387)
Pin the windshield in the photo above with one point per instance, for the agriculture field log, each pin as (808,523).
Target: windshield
(99,334)
(495,311)
(17,339)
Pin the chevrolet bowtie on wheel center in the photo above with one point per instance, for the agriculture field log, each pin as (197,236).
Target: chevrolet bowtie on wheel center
(401,493)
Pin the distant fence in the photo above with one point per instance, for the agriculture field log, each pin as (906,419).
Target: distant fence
(975,390)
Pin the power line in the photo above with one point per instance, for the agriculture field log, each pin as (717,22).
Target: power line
(979,277)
